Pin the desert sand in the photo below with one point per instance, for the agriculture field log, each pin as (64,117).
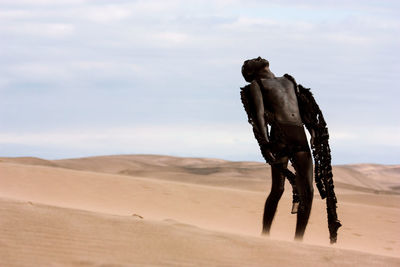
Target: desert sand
(135,210)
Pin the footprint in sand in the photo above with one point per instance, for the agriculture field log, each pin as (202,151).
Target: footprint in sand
(145,187)
(137,216)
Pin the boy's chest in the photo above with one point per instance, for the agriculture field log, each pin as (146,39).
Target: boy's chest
(277,89)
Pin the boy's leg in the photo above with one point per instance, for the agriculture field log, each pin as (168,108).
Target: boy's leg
(277,188)
(304,183)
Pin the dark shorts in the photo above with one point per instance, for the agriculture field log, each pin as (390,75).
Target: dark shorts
(288,139)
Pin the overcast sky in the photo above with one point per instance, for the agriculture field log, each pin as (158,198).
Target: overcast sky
(81,78)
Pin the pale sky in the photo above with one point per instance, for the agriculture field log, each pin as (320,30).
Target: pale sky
(81,78)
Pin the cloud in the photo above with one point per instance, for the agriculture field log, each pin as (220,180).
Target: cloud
(195,140)
(38,71)
(69,72)
(15,14)
(167,135)
(46,3)
(348,38)
(49,30)
(229,141)
(170,38)
(107,13)
(171,62)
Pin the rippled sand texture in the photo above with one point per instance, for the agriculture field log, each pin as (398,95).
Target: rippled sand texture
(160,210)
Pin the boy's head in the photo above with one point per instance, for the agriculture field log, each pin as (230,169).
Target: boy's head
(253,67)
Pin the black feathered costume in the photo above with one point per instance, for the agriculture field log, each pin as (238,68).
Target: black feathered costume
(313,119)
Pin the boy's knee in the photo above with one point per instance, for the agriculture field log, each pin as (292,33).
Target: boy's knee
(277,192)
(310,190)
(307,195)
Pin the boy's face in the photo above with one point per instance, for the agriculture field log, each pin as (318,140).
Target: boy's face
(255,66)
(261,63)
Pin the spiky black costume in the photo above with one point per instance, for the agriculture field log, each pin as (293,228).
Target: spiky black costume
(313,120)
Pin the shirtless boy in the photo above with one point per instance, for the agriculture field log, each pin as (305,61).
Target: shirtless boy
(286,140)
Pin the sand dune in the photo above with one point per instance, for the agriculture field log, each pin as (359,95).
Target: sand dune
(180,211)
(42,235)
(370,178)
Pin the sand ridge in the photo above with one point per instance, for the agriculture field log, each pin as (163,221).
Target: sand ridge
(369,178)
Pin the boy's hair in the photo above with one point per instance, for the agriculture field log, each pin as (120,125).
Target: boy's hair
(251,68)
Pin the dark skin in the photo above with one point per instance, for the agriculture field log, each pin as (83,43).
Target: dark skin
(278,96)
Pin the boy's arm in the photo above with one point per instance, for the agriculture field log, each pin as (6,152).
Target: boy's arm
(257,109)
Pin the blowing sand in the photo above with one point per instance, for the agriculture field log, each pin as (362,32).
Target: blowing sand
(159,210)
